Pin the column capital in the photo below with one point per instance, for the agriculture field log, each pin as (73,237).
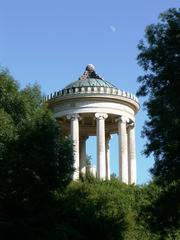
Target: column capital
(122,119)
(131,125)
(101,115)
(73,116)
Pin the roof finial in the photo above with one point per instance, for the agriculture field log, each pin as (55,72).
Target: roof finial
(90,73)
(90,68)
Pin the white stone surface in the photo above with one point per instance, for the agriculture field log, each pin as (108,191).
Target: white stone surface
(91,105)
(101,154)
(93,170)
(83,154)
(108,170)
(74,118)
(132,153)
(123,149)
(98,103)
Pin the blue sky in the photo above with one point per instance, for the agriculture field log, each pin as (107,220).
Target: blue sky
(51,42)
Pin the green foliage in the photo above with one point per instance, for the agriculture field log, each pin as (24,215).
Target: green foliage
(163,211)
(160,59)
(102,210)
(88,162)
(35,159)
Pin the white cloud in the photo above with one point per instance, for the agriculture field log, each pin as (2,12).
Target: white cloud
(113,28)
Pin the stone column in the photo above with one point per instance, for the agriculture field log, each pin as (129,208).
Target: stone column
(83,154)
(132,153)
(74,118)
(108,158)
(123,152)
(101,154)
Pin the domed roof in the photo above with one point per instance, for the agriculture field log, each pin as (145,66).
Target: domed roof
(90,79)
(93,85)
(90,82)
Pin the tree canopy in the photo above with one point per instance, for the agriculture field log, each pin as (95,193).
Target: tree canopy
(109,210)
(35,159)
(160,59)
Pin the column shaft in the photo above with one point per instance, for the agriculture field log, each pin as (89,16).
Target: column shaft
(75,138)
(83,154)
(107,158)
(101,154)
(132,154)
(123,153)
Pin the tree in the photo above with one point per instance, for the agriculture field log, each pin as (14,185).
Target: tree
(163,211)
(160,59)
(35,160)
(95,209)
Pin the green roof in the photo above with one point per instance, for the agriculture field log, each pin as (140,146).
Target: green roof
(90,82)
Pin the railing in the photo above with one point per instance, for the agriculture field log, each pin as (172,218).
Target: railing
(90,90)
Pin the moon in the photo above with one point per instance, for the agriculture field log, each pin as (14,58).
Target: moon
(113,28)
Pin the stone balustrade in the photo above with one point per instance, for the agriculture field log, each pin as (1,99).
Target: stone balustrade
(91,90)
